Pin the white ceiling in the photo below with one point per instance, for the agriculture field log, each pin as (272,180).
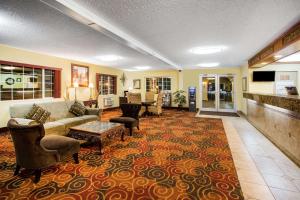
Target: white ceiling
(169,28)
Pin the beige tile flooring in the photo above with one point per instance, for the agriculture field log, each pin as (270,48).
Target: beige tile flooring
(263,170)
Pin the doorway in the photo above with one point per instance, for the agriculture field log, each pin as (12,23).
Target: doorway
(217,93)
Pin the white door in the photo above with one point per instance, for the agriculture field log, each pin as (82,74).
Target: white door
(217,93)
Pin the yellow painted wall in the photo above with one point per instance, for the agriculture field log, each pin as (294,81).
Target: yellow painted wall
(22,56)
(191,78)
(245,73)
(269,87)
(142,76)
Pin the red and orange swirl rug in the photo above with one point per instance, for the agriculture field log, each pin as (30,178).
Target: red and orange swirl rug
(175,156)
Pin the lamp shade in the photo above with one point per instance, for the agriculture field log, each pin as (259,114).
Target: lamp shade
(75,85)
(91,85)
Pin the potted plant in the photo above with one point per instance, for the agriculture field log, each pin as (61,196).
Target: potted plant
(179,98)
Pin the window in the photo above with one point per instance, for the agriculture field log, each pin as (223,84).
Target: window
(106,84)
(21,81)
(163,84)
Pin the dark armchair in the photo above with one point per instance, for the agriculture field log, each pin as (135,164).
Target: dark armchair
(34,151)
(130,116)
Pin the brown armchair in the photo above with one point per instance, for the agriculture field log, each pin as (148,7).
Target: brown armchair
(130,116)
(34,151)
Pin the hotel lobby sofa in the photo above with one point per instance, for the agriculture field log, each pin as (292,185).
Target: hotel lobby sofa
(60,119)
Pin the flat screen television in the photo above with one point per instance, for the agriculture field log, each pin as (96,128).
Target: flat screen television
(263,76)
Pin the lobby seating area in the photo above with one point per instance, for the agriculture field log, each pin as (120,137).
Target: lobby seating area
(150,100)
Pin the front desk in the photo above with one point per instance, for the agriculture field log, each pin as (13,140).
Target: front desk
(278,118)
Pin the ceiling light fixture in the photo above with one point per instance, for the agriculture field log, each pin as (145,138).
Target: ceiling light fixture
(278,56)
(209,64)
(109,58)
(8,68)
(142,67)
(130,70)
(207,49)
(292,58)
(264,63)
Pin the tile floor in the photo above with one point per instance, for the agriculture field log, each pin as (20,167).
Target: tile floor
(263,170)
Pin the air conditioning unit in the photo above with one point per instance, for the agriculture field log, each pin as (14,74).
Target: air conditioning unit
(108,102)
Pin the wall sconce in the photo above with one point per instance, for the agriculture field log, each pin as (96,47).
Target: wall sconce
(75,85)
(91,86)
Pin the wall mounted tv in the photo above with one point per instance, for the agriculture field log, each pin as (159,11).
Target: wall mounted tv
(263,76)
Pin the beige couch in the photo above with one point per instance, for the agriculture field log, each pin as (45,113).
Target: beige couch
(60,119)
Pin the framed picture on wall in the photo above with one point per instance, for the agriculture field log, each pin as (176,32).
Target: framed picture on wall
(244,83)
(80,75)
(137,84)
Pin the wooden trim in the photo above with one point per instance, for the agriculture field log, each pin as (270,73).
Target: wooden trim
(116,82)
(88,74)
(57,84)
(17,64)
(284,45)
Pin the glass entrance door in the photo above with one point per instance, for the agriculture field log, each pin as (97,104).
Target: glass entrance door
(226,97)
(208,92)
(217,93)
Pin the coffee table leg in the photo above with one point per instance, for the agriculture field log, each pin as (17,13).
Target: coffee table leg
(100,147)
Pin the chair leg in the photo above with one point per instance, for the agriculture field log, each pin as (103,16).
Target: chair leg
(37,173)
(75,157)
(138,127)
(130,131)
(18,167)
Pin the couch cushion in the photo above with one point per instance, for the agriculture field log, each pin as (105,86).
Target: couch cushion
(23,121)
(20,110)
(88,118)
(69,122)
(55,128)
(58,109)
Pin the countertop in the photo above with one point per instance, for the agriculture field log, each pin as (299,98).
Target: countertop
(289,102)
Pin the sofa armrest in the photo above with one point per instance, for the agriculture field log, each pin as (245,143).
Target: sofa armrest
(93,111)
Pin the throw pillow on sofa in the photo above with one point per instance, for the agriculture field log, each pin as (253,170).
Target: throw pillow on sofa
(38,114)
(77,109)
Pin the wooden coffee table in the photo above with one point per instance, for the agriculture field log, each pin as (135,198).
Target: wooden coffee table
(96,131)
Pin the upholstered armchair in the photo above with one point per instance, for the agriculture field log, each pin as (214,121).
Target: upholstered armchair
(36,151)
(130,116)
(157,108)
(135,98)
(149,96)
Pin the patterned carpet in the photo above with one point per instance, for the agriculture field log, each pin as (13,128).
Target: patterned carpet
(176,156)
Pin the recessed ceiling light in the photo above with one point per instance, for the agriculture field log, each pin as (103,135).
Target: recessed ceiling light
(292,58)
(207,49)
(130,70)
(142,67)
(209,64)
(109,58)
(278,56)
(8,67)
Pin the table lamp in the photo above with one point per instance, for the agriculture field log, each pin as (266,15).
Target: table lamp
(91,86)
(75,85)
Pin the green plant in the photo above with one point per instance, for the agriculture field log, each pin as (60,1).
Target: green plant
(179,98)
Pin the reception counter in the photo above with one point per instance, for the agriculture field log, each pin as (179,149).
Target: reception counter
(278,118)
